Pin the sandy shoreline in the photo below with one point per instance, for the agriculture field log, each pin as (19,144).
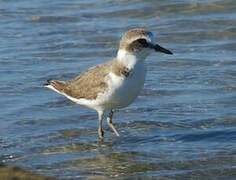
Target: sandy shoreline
(13,172)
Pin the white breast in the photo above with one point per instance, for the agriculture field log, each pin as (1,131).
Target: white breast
(123,90)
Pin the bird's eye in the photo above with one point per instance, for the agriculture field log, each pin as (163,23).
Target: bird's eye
(143,42)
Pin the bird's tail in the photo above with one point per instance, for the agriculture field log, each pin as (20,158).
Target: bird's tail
(56,85)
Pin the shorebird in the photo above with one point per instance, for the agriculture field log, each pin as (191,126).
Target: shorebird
(114,84)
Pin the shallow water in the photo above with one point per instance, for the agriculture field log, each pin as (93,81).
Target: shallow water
(182,125)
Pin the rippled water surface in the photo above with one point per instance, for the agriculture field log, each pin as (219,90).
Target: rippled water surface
(181,126)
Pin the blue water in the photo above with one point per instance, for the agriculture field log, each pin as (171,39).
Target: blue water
(183,124)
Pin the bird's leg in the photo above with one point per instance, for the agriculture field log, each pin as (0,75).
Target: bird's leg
(109,122)
(100,130)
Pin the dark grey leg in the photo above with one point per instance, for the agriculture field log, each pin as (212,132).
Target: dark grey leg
(100,129)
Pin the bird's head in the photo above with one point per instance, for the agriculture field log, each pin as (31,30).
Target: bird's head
(139,42)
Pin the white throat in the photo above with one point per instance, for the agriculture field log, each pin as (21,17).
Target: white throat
(128,59)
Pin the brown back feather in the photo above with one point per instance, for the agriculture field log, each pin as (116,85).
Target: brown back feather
(91,82)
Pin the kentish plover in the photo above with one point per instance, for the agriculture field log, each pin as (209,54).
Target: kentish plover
(113,84)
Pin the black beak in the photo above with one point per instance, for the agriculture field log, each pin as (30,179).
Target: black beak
(158,48)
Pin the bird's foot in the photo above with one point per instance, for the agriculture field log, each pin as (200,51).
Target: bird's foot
(100,133)
(114,129)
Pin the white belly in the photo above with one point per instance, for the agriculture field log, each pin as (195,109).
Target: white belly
(123,90)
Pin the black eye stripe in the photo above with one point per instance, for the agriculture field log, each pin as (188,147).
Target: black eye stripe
(138,44)
(143,42)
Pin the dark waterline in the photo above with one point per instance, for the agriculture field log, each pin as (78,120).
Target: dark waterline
(182,125)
